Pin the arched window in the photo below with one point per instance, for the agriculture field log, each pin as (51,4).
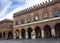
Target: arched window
(56,13)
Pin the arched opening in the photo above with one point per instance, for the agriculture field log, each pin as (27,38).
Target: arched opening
(57,30)
(23,33)
(47,31)
(17,34)
(0,35)
(29,33)
(3,35)
(38,32)
(10,35)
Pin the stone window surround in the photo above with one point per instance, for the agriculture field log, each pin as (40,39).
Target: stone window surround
(36,17)
(54,10)
(45,12)
(58,14)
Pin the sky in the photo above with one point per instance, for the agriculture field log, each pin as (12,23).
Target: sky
(9,7)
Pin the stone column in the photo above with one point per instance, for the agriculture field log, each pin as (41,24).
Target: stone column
(20,35)
(42,33)
(33,35)
(53,32)
(14,36)
(6,36)
(26,35)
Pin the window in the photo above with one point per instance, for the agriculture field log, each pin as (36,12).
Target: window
(45,16)
(28,20)
(16,22)
(11,26)
(22,21)
(36,18)
(56,13)
(19,22)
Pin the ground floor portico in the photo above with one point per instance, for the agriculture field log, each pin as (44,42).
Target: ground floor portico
(6,34)
(37,30)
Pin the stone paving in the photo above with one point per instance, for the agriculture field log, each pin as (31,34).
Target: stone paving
(32,41)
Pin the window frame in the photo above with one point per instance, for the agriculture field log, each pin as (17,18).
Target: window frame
(22,21)
(47,16)
(58,12)
(35,17)
(28,20)
(46,11)
(16,23)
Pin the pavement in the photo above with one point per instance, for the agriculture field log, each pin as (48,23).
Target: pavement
(32,41)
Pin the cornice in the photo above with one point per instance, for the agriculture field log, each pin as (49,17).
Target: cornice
(36,7)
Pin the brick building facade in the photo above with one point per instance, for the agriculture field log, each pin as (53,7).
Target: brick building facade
(6,29)
(39,21)
(35,22)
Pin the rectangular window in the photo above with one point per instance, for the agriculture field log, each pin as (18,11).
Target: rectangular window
(16,22)
(56,13)
(22,21)
(45,16)
(36,18)
(28,20)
